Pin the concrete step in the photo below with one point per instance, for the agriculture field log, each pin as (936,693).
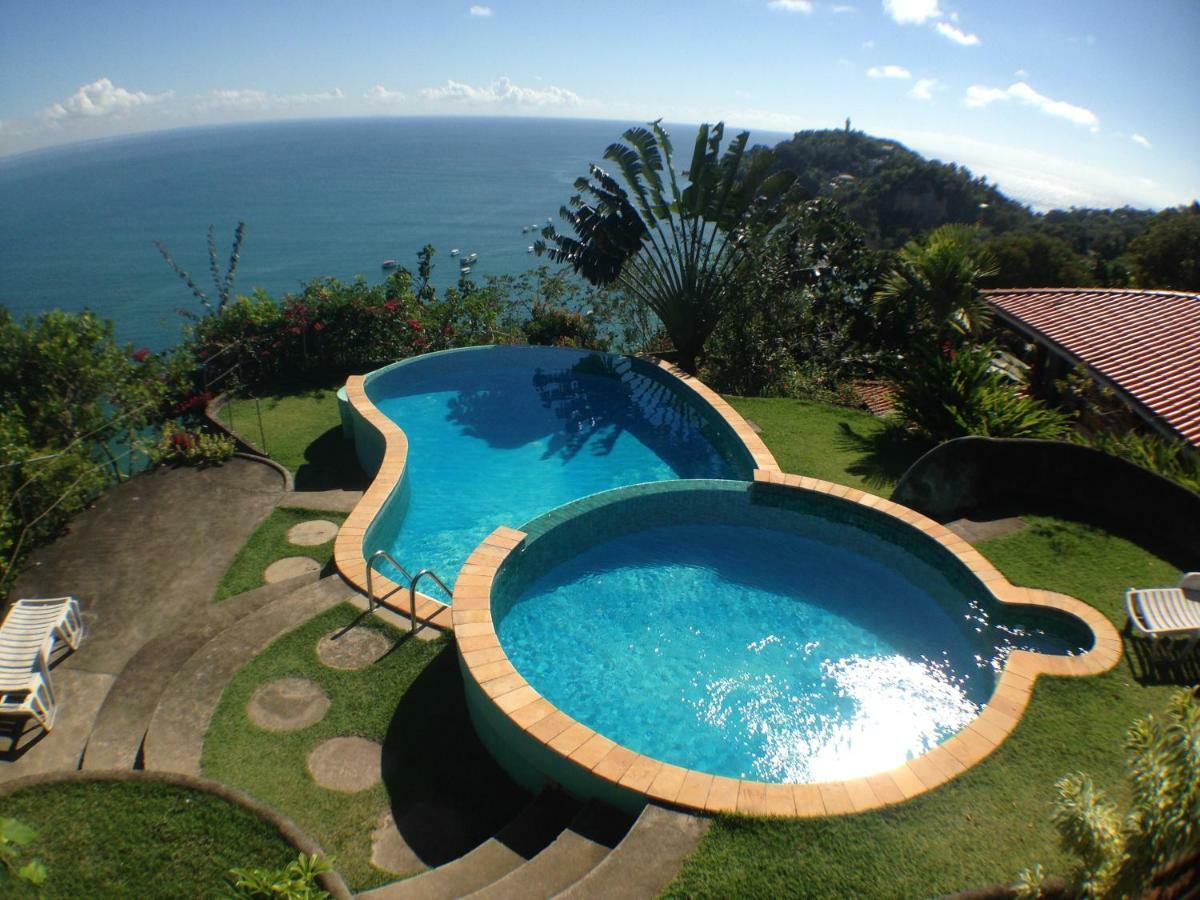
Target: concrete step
(121,723)
(533,829)
(175,737)
(646,860)
(581,847)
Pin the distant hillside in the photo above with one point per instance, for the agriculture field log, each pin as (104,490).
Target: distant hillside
(893,193)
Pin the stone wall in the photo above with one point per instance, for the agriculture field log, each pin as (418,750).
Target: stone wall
(978,477)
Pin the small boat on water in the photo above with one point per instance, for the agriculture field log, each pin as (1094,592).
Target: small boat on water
(524,229)
(468,259)
(529,249)
(465,270)
(454,252)
(389,264)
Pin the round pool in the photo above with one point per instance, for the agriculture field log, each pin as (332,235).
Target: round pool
(774,635)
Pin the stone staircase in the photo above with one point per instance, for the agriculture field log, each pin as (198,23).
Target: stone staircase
(558,847)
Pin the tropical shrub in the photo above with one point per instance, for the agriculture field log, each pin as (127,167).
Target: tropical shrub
(558,327)
(1119,856)
(330,328)
(799,321)
(1174,460)
(195,447)
(295,881)
(673,250)
(932,294)
(945,394)
(73,407)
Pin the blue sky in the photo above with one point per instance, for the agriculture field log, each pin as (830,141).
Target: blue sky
(1062,102)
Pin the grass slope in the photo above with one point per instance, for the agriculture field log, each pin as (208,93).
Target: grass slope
(834,443)
(268,544)
(412,702)
(139,839)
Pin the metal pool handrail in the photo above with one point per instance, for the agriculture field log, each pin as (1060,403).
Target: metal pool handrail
(412,585)
(412,591)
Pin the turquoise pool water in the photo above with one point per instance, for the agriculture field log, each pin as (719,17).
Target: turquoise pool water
(757,633)
(499,435)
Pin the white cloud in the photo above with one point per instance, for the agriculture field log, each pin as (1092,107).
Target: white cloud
(101,98)
(1021,73)
(888,72)
(1138,139)
(840,8)
(979,96)
(380,94)
(800,6)
(945,29)
(923,89)
(481,12)
(912,12)
(502,92)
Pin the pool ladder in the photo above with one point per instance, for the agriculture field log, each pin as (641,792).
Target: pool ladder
(413,580)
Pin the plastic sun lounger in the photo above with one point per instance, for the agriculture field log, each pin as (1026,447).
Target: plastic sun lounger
(1167,612)
(27,638)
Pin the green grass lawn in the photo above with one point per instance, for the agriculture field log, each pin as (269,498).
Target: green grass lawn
(834,443)
(139,839)
(412,702)
(268,544)
(302,431)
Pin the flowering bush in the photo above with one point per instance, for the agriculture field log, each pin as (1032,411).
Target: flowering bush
(180,446)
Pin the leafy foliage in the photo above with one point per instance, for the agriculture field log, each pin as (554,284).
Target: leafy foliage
(295,881)
(73,399)
(330,328)
(1175,460)
(1035,259)
(674,250)
(933,289)
(1168,254)
(191,447)
(799,321)
(1119,858)
(950,394)
(13,836)
(222,284)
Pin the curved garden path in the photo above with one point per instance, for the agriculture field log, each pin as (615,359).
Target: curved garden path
(145,562)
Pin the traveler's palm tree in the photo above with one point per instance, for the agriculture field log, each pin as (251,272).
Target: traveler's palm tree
(674,250)
(934,285)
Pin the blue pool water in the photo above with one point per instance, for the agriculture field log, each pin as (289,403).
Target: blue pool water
(706,629)
(499,435)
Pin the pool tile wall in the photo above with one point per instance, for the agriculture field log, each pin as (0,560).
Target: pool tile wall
(534,741)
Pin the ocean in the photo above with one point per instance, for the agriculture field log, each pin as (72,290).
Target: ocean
(329,197)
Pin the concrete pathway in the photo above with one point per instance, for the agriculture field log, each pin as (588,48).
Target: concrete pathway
(145,562)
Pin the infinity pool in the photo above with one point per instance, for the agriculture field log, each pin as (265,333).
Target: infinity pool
(499,435)
(779,637)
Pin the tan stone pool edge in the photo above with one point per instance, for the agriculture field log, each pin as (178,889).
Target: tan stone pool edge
(348,547)
(486,663)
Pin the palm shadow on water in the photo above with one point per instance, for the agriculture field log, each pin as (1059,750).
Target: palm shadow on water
(593,403)
(447,794)
(885,454)
(330,464)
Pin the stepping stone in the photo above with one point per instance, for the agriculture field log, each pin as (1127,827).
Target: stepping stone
(312,533)
(390,851)
(354,649)
(290,567)
(346,764)
(287,704)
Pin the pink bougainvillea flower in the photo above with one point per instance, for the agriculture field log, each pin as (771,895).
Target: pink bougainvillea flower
(141,354)
(414,325)
(318,326)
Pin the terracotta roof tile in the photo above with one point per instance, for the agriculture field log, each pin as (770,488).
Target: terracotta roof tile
(1147,343)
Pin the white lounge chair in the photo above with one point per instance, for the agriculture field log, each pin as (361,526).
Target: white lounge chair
(1167,612)
(30,631)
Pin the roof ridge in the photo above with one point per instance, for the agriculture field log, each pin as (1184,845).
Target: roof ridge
(1195,295)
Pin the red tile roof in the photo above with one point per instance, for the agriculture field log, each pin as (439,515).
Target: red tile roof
(1144,343)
